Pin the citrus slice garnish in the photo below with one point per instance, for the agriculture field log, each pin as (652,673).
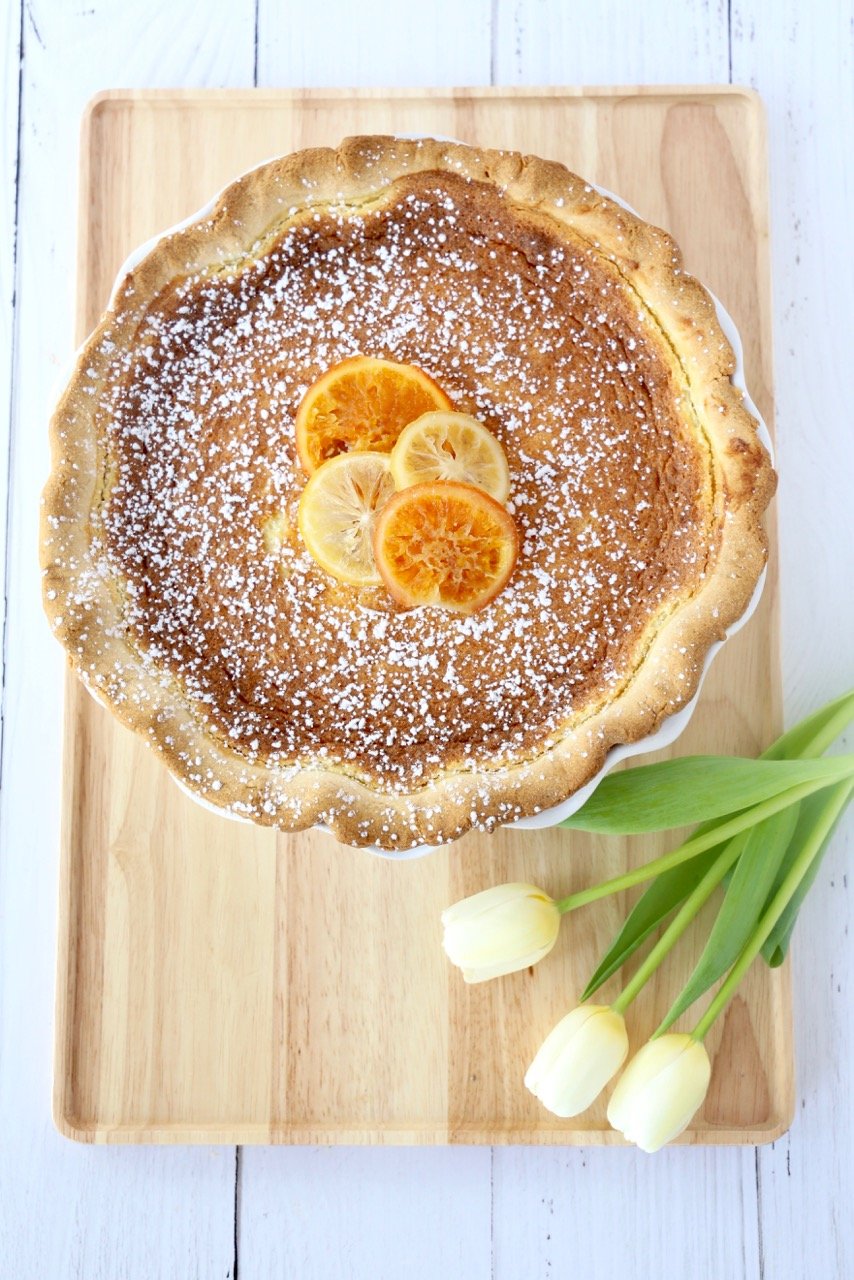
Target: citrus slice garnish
(444,543)
(443,445)
(337,513)
(360,405)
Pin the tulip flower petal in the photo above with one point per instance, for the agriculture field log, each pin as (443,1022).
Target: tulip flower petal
(550,1050)
(480,903)
(577,1059)
(660,1091)
(497,970)
(501,930)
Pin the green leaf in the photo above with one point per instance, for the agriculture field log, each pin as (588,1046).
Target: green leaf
(676,793)
(813,811)
(664,895)
(666,892)
(812,736)
(806,740)
(755,872)
(776,946)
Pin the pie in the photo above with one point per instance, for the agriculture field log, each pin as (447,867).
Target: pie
(174,572)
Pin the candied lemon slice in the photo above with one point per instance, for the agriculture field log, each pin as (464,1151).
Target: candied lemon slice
(444,543)
(338,510)
(362,404)
(450,446)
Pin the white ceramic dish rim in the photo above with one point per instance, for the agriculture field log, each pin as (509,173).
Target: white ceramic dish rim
(671,727)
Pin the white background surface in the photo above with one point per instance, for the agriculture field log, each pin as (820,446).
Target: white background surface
(463,1214)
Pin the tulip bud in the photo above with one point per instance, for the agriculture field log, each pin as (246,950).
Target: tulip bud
(660,1090)
(578,1058)
(500,930)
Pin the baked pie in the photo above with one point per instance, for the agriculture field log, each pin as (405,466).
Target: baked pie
(175,573)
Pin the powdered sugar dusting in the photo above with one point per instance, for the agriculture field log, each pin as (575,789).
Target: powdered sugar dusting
(536,338)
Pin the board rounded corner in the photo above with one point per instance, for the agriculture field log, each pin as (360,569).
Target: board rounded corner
(69,1125)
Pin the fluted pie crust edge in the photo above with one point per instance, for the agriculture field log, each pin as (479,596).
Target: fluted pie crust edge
(153,703)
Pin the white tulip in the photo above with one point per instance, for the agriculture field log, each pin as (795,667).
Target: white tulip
(500,930)
(660,1090)
(578,1058)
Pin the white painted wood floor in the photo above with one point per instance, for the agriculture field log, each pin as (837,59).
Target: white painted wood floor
(463,1214)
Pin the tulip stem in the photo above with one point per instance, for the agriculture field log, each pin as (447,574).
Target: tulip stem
(697,844)
(812,848)
(692,904)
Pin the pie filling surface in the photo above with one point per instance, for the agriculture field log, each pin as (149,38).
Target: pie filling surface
(526,325)
(543,343)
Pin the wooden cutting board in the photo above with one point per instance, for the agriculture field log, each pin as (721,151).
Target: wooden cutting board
(221,983)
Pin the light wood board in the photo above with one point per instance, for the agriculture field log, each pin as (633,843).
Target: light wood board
(219,983)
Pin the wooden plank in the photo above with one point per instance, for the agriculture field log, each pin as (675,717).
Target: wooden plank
(259,930)
(65,1210)
(350,1212)
(621,1213)
(11,20)
(801,62)
(551,42)
(374,43)
(590,1208)
(441,1219)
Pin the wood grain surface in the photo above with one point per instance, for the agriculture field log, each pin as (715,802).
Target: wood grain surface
(220,983)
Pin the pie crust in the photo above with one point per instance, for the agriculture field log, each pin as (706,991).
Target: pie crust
(174,578)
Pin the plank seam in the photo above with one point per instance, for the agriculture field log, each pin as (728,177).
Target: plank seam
(729,39)
(759,1240)
(13,382)
(235,1259)
(255,46)
(492,1213)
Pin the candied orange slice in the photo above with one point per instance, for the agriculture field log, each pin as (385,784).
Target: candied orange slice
(337,512)
(362,404)
(444,543)
(450,446)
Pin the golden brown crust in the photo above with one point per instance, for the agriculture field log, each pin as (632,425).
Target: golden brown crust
(85,609)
